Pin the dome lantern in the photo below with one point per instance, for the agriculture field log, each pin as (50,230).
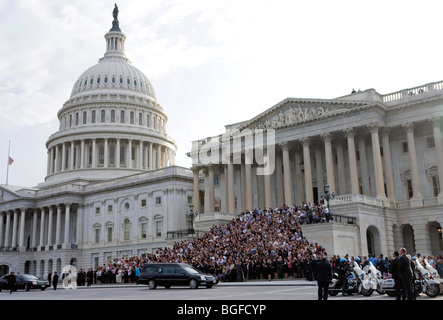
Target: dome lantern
(115,39)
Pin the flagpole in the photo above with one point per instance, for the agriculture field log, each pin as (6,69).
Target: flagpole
(7,170)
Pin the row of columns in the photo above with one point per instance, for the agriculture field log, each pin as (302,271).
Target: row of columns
(383,172)
(12,227)
(85,153)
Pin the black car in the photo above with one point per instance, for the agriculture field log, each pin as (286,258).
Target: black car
(174,274)
(25,281)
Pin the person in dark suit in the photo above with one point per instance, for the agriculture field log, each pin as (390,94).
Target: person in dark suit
(394,269)
(55,280)
(11,279)
(323,272)
(406,275)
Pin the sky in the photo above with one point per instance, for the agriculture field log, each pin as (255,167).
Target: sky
(211,63)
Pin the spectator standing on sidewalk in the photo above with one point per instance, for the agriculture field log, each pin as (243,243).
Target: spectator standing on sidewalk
(323,272)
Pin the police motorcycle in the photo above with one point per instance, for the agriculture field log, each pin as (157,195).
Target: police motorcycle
(377,282)
(425,282)
(356,282)
(434,275)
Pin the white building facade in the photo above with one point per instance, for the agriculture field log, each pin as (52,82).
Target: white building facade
(382,156)
(112,188)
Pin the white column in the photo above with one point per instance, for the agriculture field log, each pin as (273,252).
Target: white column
(2,235)
(211,188)
(248,179)
(14,230)
(319,169)
(67,223)
(82,155)
(21,243)
(341,166)
(159,159)
(363,165)
(51,161)
(378,167)
(151,157)
(50,226)
(308,170)
(56,160)
(329,162)
(287,175)
(417,197)
(79,227)
(8,230)
(436,127)
(71,156)
(106,154)
(42,227)
(63,157)
(231,191)
(34,229)
(58,226)
(268,194)
(352,160)
(94,153)
(196,198)
(117,153)
(140,155)
(389,175)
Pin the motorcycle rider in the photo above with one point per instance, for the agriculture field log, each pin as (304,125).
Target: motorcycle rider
(358,261)
(343,271)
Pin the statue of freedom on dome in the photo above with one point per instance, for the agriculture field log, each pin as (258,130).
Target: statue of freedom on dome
(115,12)
(115,23)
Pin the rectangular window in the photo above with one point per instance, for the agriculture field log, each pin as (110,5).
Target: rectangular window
(404,147)
(97,210)
(435,186)
(110,208)
(97,235)
(409,188)
(143,230)
(143,203)
(109,234)
(158,228)
(430,142)
(158,201)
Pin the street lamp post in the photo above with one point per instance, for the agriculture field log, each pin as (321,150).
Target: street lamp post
(328,196)
(191,216)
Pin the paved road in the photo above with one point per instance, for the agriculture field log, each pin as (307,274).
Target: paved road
(247,291)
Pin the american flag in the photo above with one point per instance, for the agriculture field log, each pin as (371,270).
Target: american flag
(10,161)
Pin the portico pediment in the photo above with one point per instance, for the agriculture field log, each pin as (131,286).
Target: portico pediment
(291,112)
(7,194)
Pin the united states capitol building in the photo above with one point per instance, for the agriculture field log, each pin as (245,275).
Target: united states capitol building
(112,187)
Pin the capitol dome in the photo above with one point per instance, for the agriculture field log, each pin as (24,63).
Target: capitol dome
(113,73)
(112,125)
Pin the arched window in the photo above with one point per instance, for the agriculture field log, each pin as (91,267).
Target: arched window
(147,121)
(112,116)
(85,117)
(127,230)
(140,119)
(102,117)
(131,117)
(122,117)
(93,116)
